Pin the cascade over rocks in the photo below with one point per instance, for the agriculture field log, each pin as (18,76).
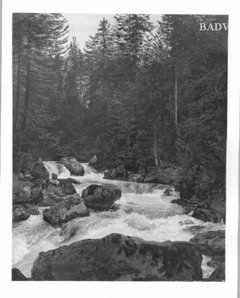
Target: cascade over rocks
(72,207)
(212,244)
(119,257)
(101,197)
(74,167)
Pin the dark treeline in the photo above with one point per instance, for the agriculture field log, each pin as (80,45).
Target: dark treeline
(146,95)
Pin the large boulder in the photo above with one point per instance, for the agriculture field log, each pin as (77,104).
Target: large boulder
(206,214)
(66,186)
(17,275)
(26,192)
(21,190)
(39,171)
(74,167)
(56,193)
(118,257)
(52,195)
(20,213)
(72,207)
(101,197)
(212,244)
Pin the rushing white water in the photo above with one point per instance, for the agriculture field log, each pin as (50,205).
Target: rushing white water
(56,168)
(143,211)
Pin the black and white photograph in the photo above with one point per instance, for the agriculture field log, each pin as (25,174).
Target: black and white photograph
(119,141)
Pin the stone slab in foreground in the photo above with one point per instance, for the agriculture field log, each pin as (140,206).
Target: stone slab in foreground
(119,257)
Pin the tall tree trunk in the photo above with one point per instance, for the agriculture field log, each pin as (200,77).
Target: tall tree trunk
(27,90)
(18,87)
(155,144)
(176,97)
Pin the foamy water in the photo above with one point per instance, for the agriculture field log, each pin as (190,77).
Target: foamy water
(143,211)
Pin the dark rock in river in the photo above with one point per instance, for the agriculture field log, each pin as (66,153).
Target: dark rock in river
(74,167)
(56,193)
(72,207)
(39,171)
(54,176)
(109,174)
(17,275)
(66,186)
(20,213)
(212,244)
(206,214)
(168,192)
(52,196)
(101,197)
(119,257)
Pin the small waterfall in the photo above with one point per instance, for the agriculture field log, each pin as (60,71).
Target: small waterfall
(56,168)
(88,170)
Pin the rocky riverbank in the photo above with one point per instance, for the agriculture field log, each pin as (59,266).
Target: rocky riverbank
(119,257)
(116,256)
(202,204)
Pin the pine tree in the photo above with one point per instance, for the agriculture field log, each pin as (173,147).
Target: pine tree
(40,38)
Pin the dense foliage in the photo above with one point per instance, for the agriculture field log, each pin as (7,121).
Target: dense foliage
(142,94)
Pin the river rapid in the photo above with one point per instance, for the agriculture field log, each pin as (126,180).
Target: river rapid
(143,211)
